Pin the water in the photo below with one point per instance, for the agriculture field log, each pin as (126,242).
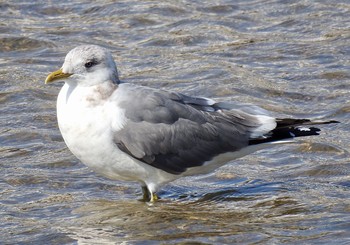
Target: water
(290,57)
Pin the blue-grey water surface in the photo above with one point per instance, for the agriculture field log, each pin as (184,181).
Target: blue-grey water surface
(290,57)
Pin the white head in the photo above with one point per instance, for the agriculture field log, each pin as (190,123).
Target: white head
(87,65)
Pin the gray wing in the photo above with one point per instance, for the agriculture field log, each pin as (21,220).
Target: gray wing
(173,132)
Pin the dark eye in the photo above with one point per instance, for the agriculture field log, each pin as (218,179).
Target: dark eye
(89,64)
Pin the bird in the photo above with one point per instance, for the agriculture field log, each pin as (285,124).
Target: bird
(130,132)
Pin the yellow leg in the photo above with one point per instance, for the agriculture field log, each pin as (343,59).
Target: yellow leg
(154,197)
(147,196)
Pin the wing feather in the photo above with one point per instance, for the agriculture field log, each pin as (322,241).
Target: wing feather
(174,132)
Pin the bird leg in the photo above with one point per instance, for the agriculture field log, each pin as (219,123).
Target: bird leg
(154,197)
(148,196)
(145,194)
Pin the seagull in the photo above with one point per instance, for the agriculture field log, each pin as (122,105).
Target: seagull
(129,132)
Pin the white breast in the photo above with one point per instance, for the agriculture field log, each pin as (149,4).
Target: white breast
(87,128)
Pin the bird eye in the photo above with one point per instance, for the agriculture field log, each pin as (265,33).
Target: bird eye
(89,64)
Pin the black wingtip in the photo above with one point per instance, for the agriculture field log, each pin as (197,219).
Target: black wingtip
(291,128)
(332,121)
(304,131)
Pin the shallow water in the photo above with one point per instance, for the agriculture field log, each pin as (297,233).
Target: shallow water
(290,57)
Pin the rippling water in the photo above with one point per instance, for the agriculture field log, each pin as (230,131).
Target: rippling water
(290,57)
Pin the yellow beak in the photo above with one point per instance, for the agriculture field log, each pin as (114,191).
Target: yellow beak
(56,75)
